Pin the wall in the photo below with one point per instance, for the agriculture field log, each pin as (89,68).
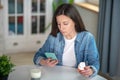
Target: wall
(1,33)
(90,19)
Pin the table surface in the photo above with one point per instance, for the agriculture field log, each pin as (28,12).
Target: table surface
(49,73)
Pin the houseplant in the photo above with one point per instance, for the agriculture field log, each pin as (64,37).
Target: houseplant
(56,3)
(6,66)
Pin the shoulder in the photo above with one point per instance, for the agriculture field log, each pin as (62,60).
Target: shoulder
(85,35)
(51,37)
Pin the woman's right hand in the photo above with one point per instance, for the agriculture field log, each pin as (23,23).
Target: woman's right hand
(48,62)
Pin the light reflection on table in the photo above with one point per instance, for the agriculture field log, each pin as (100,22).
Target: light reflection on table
(49,73)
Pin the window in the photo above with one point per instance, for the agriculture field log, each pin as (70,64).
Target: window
(0,4)
(96,2)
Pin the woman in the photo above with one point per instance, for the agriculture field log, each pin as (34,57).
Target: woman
(70,42)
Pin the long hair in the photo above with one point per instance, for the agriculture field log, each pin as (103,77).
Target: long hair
(70,11)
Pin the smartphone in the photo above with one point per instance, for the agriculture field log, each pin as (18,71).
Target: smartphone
(51,55)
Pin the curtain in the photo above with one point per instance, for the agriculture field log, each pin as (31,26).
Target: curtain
(108,39)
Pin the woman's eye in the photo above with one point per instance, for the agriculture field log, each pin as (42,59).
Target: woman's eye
(65,23)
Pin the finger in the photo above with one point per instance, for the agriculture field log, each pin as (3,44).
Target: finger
(48,60)
(87,72)
(54,62)
(87,67)
(51,64)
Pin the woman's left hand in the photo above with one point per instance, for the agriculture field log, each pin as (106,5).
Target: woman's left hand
(86,72)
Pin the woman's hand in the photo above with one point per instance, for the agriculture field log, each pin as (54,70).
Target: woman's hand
(86,72)
(48,62)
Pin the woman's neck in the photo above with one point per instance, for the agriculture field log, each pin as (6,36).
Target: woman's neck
(72,35)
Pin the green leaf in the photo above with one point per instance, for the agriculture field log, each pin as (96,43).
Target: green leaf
(6,66)
(71,1)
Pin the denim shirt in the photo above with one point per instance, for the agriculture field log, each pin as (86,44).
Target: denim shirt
(85,50)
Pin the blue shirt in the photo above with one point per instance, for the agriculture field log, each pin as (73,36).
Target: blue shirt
(85,50)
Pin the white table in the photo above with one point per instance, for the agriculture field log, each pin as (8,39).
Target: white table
(49,73)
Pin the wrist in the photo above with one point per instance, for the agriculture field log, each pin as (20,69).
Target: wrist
(42,61)
(92,70)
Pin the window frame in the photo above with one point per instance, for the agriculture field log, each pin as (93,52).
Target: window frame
(0,5)
(95,2)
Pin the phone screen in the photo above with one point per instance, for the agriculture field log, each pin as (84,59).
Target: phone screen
(51,55)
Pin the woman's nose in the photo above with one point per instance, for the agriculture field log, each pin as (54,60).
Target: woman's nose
(61,27)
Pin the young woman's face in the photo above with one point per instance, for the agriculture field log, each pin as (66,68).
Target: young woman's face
(66,25)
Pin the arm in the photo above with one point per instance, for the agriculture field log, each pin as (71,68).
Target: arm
(91,57)
(40,58)
(39,55)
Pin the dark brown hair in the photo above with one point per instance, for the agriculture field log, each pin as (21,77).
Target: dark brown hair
(70,11)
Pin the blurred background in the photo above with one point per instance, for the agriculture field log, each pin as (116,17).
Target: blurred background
(25,25)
